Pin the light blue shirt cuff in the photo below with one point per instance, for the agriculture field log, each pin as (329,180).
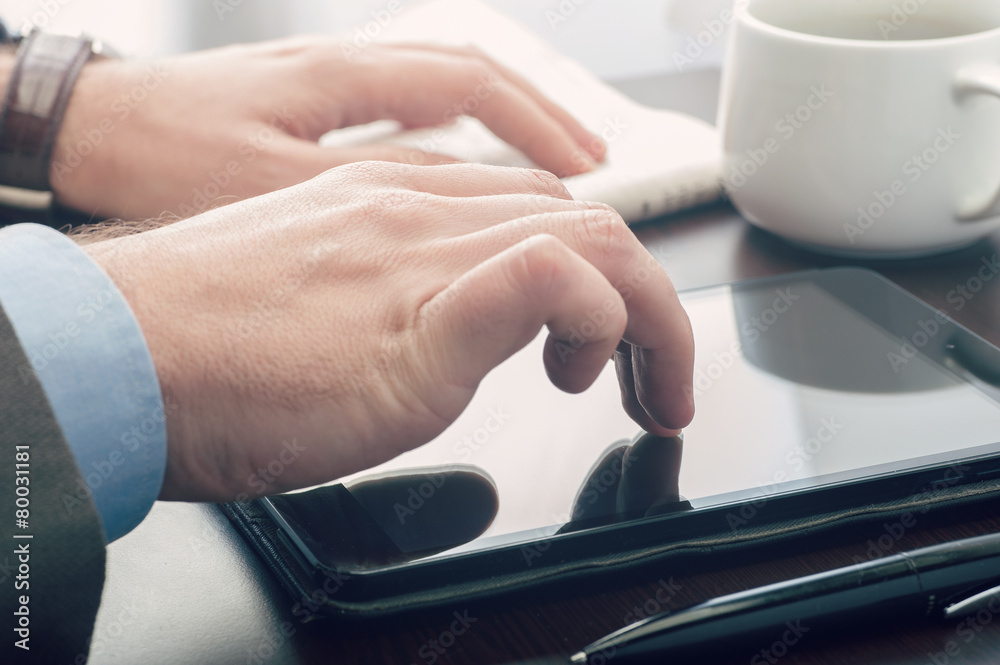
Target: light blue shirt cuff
(85,346)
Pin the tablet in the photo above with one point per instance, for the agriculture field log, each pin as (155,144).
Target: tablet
(805,385)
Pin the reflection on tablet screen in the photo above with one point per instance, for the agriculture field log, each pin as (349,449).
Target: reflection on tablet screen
(831,376)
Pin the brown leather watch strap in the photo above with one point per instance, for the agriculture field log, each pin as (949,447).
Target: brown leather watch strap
(42,80)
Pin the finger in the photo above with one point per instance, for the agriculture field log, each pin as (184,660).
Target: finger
(658,327)
(455,217)
(652,369)
(499,306)
(462,180)
(429,88)
(630,398)
(385,153)
(312,159)
(592,143)
(473,180)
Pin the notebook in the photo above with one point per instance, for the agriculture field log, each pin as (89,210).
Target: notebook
(659,162)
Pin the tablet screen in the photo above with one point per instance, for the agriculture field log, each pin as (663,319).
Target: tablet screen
(802,381)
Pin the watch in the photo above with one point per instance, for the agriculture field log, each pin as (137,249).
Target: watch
(45,69)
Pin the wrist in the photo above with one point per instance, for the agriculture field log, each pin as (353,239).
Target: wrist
(78,174)
(127,261)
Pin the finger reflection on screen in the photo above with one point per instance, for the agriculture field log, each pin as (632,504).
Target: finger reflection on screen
(630,480)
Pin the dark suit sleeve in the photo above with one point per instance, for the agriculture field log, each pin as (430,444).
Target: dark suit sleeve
(52,564)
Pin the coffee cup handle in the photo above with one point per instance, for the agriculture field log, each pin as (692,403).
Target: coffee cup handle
(982,79)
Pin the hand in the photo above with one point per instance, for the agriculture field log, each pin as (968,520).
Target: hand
(352,317)
(185,134)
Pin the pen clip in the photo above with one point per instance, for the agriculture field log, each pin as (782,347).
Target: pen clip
(973,603)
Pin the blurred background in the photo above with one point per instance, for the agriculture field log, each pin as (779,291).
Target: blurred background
(615,39)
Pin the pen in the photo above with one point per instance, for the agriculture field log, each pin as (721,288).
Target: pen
(949,580)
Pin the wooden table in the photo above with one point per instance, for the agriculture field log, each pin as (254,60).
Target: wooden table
(183,588)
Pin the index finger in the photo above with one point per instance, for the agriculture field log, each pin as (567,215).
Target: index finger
(592,143)
(425,88)
(658,330)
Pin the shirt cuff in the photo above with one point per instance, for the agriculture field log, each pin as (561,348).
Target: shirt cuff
(85,346)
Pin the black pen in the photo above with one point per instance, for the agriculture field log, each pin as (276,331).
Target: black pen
(949,580)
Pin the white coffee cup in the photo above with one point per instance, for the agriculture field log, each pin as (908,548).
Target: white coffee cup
(865,127)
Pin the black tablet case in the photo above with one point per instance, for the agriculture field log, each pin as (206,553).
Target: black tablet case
(574,558)
(312,588)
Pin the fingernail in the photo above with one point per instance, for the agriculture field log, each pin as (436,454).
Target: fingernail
(584,162)
(597,147)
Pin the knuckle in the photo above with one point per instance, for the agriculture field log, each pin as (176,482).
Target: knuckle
(478,69)
(357,170)
(606,234)
(385,204)
(293,46)
(477,65)
(597,206)
(374,173)
(541,262)
(474,51)
(544,182)
(417,205)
